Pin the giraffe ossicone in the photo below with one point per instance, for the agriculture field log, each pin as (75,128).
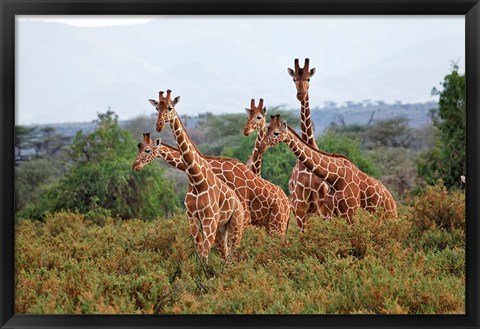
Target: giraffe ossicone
(255,121)
(146,152)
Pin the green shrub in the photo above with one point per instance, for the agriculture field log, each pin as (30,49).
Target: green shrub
(439,208)
(71,264)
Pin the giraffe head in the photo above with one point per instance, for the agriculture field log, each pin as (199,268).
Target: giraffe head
(256,117)
(147,151)
(301,77)
(165,108)
(277,132)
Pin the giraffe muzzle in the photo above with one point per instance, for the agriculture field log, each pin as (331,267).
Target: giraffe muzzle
(159,126)
(247,131)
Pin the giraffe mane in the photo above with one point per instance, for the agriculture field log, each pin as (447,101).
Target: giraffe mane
(169,146)
(190,141)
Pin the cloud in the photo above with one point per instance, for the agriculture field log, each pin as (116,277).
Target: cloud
(89,21)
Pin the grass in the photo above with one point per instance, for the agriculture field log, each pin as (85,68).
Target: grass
(75,263)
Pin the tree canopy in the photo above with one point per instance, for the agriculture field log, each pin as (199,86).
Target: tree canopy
(447,160)
(100,176)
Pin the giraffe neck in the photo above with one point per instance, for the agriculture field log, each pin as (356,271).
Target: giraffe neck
(172,156)
(322,164)
(306,125)
(256,158)
(196,166)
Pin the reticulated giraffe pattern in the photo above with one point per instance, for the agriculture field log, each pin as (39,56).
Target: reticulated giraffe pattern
(265,203)
(307,191)
(351,187)
(256,121)
(215,214)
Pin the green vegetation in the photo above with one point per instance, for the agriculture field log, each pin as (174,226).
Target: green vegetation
(73,263)
(447,160)
(99,176)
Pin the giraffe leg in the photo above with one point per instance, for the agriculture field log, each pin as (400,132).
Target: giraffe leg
(196,233)
(325,207)
(300,209)
(221,241)
(209,232)
(278,220)
(235,227)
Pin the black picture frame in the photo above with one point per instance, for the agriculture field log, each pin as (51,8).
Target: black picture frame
(10,8)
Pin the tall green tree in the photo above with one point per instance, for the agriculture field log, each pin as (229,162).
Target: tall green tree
(100,176)
(450,121)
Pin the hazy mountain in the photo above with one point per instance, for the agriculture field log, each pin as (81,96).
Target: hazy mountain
(70,74)
(353,113)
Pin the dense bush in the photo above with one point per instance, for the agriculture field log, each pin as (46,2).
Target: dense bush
(438,216)
(74,263)
(439,208)
(32,179)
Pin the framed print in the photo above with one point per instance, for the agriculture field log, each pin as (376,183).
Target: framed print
(239,164)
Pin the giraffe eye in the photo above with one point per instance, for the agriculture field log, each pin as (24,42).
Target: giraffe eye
(294,80)
(308,80)
(276,133)
(169,108)
(259,117)
(148,151)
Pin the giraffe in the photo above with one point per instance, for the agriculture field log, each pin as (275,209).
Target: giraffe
(214,212)
(267,204)
(307,191)
(255,121)
(351,187)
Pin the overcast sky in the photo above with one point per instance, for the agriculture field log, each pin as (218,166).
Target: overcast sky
(70,69)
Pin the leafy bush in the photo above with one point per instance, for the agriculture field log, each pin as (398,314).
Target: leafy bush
(438,219)
(70,264)
(439,208)
(31,179)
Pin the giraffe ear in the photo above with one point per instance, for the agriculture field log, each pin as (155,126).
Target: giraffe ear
(153,102)
(264,110)
(248,111)
(176,100)
(291,72)
(284,125)
(312,72)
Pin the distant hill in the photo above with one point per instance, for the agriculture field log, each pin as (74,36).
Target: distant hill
(350,113)
(361,113)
